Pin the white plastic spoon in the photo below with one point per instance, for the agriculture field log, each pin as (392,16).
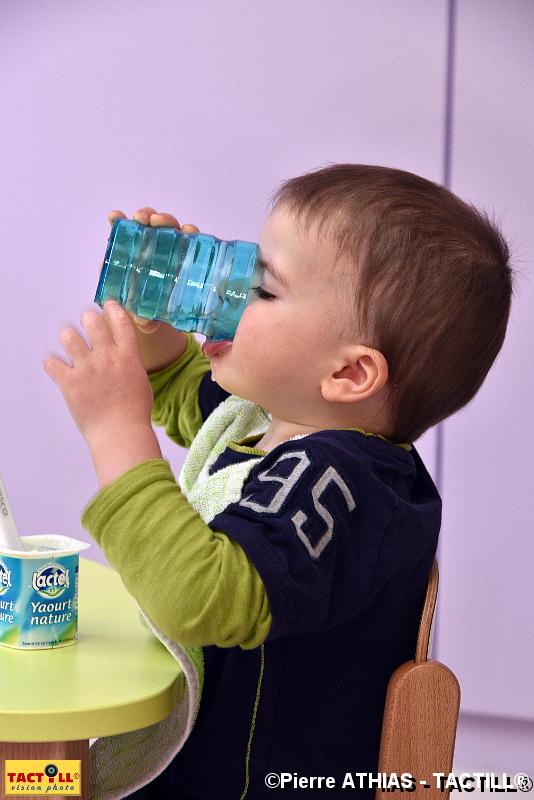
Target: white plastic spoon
(9,535)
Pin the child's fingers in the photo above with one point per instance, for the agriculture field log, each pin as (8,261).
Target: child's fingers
(142,215)
(56,369)
(164,219)
(121,327)
(73,343)
(98,332)
(113,215)
(147,325)
(143,324)
(107,315)
(149,216)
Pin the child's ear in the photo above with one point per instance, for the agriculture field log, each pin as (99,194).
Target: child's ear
(363,374)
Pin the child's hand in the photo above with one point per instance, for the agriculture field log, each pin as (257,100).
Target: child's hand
(149,216)
(106,388)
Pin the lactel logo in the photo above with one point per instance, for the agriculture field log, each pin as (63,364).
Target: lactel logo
(51,580)
(5,578)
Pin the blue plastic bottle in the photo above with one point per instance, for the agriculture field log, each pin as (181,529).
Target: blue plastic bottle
(195,282)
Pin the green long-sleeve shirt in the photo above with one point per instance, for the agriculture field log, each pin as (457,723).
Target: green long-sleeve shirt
(196,584)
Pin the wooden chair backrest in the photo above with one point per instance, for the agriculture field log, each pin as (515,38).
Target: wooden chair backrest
(420,714)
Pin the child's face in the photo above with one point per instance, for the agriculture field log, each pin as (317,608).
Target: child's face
(284,347)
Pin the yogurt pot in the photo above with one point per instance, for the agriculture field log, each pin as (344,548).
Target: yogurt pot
(39,592)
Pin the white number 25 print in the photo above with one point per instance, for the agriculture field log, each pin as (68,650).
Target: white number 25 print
(330,475)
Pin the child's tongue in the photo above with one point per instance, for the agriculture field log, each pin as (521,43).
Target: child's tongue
(210,348)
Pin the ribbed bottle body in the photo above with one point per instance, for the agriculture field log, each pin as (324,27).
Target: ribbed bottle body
(194,282)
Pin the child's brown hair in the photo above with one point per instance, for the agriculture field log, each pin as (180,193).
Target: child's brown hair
(431,282)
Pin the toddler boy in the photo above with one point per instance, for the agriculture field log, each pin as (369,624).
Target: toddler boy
(296,547)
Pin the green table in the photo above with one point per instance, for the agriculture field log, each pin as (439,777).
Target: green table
(118,677)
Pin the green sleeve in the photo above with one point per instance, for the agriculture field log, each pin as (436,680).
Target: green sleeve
(197,585)
(175,391)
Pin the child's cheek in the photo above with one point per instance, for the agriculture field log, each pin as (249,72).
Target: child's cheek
(246,327)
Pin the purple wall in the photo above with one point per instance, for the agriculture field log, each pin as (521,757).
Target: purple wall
(486,608)
(202,109)
(199,109)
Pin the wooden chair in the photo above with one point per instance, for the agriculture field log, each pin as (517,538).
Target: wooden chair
(420,714)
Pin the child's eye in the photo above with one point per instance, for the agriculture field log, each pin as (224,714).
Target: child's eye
(262,293)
